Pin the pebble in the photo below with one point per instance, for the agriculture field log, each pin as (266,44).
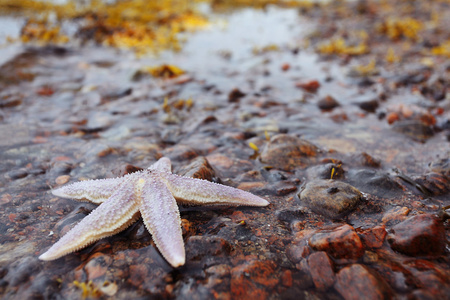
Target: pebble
(395,214)
(20,271)
(331,198)
(434,183)
(321,270)
(253,280)
(374,182)
(63,179)
(198,168)
(97,265)
(288,152)
(17,174)
(327,103)
(416,130)
(420,235)
(373,237)
(367,160)
(235,95)
(340,242)
(308,85)
(357,282)
(369,105)
(299,249)
(325,171)
(441,166)
(199,247)
(289,215)
(396,275)
(137,274)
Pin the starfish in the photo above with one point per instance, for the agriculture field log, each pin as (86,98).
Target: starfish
(153,194)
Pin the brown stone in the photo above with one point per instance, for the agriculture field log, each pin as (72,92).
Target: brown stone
(228,167)
(373,237)
(97,266)
(235,95)
(253,280)
(321,270)
(326,171)
(286,278)
(138,273)
(327,103)
(418,235)
(434,183)
(63,179)
(198,168)
(299,248)
(395,214)
(180,152)
(356,282)
(309,85)
(340,242)
(367,160)
(331,198)
(396,275)
(198,247)
(287,152)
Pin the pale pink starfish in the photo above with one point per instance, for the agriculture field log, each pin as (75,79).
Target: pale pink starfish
(152,194)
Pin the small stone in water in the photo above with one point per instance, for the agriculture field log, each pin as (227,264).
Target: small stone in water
(333,199)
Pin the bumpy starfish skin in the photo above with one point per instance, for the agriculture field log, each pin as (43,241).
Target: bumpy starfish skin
(152,194)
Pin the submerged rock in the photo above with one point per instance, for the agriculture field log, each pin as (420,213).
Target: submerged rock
(416,130)
(441,166)
(418,235)
(374,182)
(253,280)
(434,183)
(321,270)
(333,199)
(287,152)
(326,171)
(341,242)
(327,103)
(357,280)
(198,168)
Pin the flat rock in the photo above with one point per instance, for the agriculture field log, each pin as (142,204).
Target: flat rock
(331,198)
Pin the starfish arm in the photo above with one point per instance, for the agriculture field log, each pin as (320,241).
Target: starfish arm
(159,211)
(163,165)
(111,217)
(95,191)
(202,192)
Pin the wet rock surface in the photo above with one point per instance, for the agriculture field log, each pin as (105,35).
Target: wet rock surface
(331,198)
(356,281)
(340,242)
(356,169)
(419,235)
(286,152)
